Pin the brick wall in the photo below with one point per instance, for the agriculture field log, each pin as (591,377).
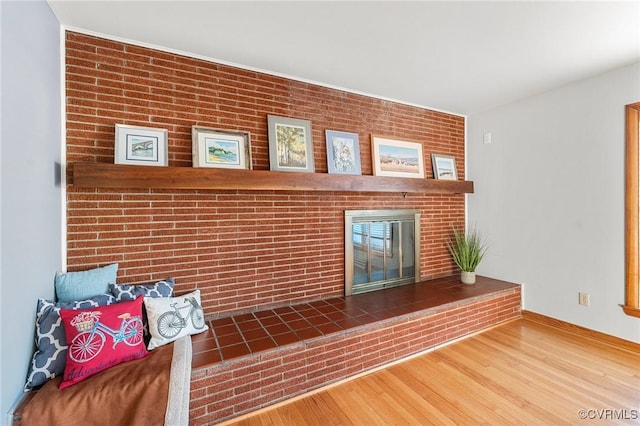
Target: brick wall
(243,249)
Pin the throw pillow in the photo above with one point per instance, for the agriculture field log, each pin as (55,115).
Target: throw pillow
(123,292)
(173,317)
(82,285)
(51,345)
(100,338)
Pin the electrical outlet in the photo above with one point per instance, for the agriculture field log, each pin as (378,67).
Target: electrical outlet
(583,299)
(486,138)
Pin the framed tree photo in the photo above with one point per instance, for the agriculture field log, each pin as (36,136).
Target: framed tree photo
(290,144)
(343,153)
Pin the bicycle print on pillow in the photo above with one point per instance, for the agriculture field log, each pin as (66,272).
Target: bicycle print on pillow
(170,323)
(89,343)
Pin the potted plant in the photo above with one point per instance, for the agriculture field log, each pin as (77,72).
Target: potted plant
(467,250)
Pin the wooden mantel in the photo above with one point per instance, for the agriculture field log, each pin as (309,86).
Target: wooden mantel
(105,175)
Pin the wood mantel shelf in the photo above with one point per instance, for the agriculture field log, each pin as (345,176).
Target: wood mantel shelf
(105,175)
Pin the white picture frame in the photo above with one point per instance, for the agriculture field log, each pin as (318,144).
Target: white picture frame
(396,157)
(142,146)
(444,167)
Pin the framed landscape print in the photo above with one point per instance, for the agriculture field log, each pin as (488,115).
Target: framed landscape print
(397,158)
(444,167)
(220,148)
(343,153)
(143,146)
(290,144)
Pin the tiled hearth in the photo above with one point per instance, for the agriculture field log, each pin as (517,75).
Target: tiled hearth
(252,360)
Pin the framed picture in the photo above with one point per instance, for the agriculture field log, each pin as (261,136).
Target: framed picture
(225,149)
(444,167)
(398,158)
(343,153)
(290,144)
(145,146)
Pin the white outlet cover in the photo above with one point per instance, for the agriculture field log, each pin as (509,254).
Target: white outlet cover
(486,138)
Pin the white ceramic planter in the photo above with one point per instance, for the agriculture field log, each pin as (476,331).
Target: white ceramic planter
(468,277)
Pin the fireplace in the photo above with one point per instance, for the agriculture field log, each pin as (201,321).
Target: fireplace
(382,249)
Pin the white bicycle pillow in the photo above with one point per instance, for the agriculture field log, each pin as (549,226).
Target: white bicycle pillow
(173,317)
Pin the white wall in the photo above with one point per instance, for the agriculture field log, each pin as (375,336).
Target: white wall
(30,197)
(549,197)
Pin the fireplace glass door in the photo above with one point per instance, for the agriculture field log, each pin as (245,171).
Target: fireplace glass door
(381,247)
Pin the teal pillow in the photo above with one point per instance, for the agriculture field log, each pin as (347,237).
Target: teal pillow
(83,285)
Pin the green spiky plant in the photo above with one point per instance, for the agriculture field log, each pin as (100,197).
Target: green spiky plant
(467,249)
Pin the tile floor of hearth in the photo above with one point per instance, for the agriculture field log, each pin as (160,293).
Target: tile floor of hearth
(250,333)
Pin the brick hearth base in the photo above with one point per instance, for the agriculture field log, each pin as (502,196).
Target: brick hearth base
(386,333)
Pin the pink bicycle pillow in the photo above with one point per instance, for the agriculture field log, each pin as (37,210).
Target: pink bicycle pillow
(100,338)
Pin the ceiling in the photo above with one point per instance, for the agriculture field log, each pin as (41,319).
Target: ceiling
(460,57)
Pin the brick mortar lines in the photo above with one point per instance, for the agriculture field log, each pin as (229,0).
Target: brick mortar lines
(424,342)
(201,92)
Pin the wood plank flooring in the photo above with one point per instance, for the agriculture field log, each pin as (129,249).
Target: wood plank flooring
(521,372)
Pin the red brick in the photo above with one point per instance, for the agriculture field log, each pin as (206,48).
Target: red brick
(248,232)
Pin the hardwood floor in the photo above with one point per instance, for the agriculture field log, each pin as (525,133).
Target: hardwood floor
(521,372)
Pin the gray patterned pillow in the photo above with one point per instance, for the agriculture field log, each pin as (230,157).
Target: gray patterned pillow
(126,292)
(51,347)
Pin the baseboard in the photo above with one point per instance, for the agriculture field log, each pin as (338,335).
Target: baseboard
(14,416)
(582,331)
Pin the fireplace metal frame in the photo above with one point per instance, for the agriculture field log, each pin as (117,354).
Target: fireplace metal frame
(391,215)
